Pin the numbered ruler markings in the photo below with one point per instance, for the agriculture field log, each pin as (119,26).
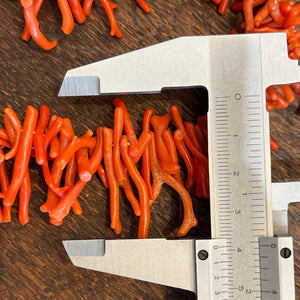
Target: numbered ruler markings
(217,266)
(269,268)
(240,190)
(223,266)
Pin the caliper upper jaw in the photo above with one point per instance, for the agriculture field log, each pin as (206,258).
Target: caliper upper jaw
(182,62)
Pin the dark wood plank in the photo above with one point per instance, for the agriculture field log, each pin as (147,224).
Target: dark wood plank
(33,263)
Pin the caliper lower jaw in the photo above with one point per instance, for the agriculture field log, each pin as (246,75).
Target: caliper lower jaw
(172,263)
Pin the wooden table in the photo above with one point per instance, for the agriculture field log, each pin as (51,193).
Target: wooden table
(33,263)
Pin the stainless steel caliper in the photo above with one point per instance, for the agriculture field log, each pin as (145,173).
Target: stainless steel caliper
(243,259)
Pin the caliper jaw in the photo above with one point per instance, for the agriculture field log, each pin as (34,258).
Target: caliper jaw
(199,266)
(222,64)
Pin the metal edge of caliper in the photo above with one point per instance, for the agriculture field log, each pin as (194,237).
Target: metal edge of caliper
(177,263)
(186,57)
(283,193)
(283,283)
(172,262)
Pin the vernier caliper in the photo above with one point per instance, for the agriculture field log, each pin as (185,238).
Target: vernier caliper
(243,259)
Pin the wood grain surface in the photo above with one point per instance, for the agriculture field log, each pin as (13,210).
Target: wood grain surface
(33,263)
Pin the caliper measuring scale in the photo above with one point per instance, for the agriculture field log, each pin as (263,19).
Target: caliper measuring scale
(243,260)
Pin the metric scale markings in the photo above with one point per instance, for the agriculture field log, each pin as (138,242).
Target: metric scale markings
(239,206)
(241,68)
